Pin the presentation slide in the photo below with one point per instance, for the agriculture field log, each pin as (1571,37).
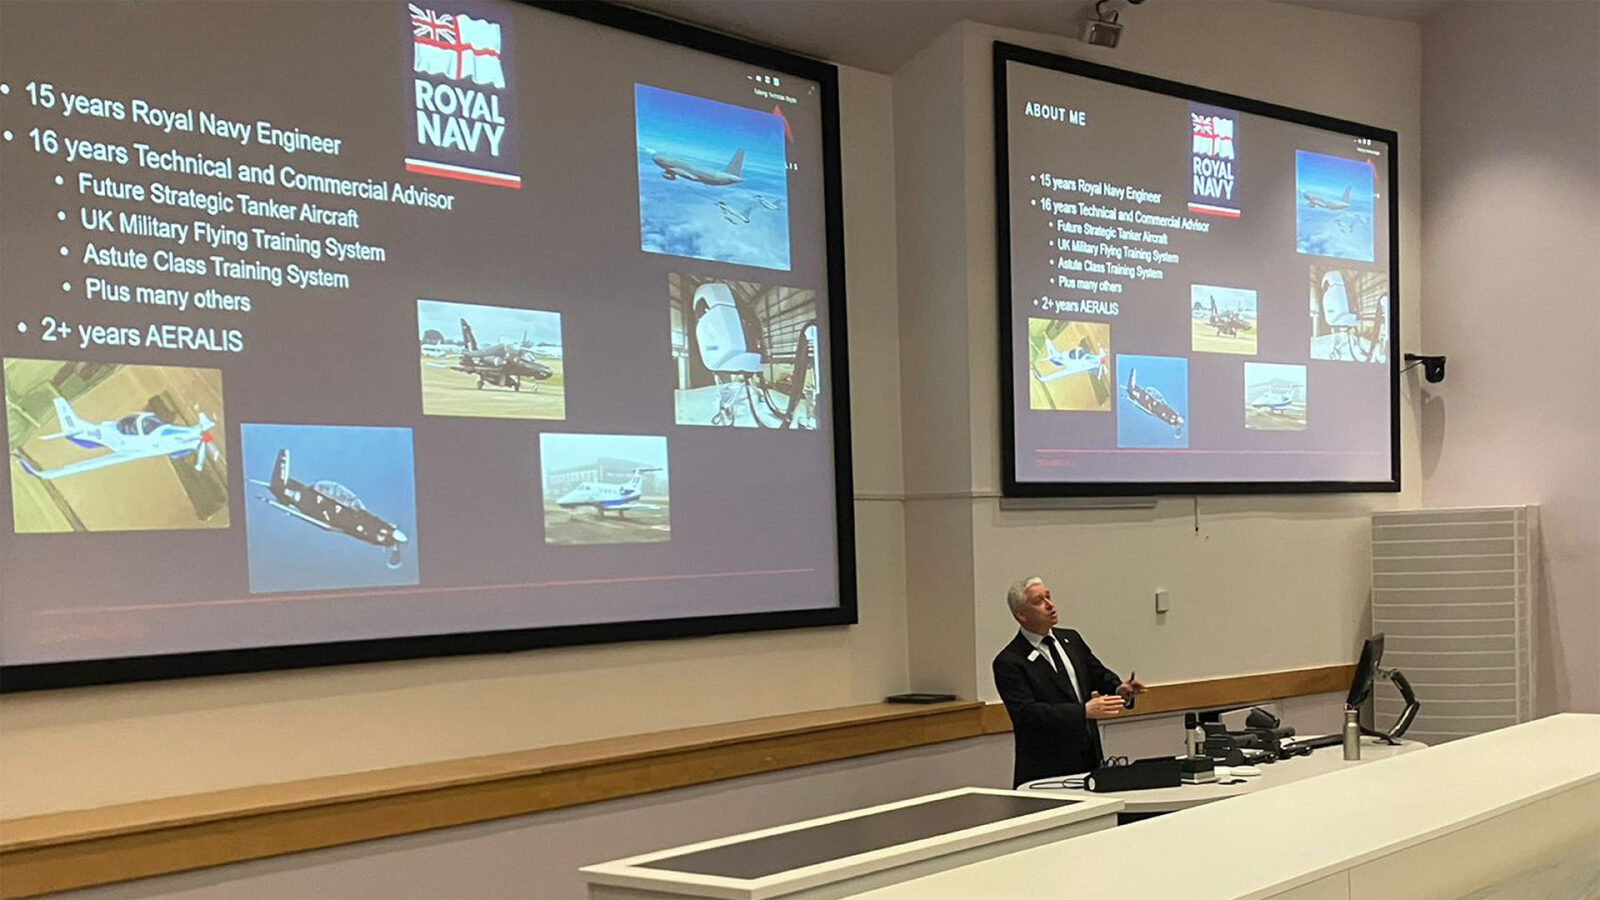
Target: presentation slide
(351,322)
(1200,288)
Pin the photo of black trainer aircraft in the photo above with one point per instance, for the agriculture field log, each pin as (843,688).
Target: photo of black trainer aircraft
(1151,402)
(502,365)
(331,506)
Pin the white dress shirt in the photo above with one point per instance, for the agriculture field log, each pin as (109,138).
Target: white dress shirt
(1037,640)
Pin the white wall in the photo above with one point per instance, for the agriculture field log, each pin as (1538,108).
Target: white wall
(93,747)
(1512,204)
(1267,583)
(1263,583)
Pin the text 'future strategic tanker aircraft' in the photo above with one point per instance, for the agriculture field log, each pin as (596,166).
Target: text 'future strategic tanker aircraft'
(502,365)
(673,168)
(331,506)
(135,436)
(609,497)
(1313,201)
(1150,401)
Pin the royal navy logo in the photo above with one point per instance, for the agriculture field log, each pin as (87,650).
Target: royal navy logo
(460,94)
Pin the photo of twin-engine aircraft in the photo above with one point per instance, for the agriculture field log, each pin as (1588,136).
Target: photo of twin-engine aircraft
(502,365)
(605,488)
(1151,402)
(98,447)
(519,375)
(1274,397)
(673,168)
(692,203)
(1336,203)
(1317,201)
(331,506)
(605,497)
(135,436)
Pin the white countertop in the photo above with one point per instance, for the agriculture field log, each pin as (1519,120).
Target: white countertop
(1265,842)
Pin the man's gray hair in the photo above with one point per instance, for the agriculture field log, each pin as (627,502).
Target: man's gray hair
(1017,595)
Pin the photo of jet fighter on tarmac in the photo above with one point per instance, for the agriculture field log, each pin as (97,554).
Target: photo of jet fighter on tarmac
(491,361)
(1222,319)
(99,447)
(745,355)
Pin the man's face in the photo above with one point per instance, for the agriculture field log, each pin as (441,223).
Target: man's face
(1037,612)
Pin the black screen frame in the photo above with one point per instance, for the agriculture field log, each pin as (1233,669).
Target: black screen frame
(1005,53)
(80,673)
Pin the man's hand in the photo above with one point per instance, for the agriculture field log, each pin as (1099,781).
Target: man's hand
(1130,688)
(1100,707)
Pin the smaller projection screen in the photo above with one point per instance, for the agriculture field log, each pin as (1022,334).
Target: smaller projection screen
(337,332)
(1197,290)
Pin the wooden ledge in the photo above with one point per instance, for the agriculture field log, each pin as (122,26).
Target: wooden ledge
(61,851)
(57,851)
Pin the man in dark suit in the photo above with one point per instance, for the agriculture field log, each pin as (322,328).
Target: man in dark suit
(1054,688)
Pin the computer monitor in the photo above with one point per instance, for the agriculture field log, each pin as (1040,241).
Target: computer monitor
(1366,671)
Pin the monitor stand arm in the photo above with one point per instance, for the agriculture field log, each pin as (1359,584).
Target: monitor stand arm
(1406,716)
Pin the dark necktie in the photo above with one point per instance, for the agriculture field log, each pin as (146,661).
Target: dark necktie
(1049,642)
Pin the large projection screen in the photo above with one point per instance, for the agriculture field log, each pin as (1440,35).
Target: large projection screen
(1197,290)
(337,332)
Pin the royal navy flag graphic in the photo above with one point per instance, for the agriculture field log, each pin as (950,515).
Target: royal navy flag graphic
(1213,161)
(459,99)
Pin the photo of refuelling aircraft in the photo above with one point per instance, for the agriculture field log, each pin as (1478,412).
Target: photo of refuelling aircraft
(1337,197)
(1316,202)
(746,355)
(1349,315)
(1274,397)
(605,488)
(104,447)
(691,203)
(673,168)
(506,364)
(1069,365)
(330,507)
(1153,401)
(1222,319)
